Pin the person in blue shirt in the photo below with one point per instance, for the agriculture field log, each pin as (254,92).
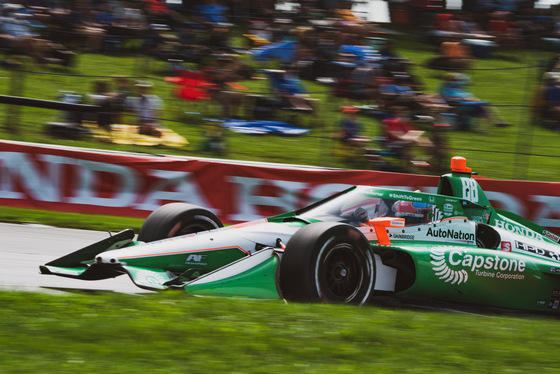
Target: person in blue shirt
(550,98)
(456,94)
(211,11)
(17,35)
(350,128)
(290,90)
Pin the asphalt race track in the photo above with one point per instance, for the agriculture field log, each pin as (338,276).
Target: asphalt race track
(24,247)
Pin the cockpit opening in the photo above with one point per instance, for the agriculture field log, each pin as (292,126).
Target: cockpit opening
(358,207)
(487,237)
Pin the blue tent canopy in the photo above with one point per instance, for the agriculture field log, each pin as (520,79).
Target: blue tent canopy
(261,127)
(283,51)
(363,53)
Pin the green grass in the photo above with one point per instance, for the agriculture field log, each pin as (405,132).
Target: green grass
(172,333)
(72,220)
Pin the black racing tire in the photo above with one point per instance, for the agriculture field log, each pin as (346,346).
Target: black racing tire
(177,219)
(327,262)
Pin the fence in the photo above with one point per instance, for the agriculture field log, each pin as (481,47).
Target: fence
(525,151)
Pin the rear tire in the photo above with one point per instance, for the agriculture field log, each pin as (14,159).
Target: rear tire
(328,262)
(177,219)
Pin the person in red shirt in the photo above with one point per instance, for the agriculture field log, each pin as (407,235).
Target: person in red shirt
(400,134)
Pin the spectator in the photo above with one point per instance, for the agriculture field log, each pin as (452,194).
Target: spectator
(227,69)
(218,38)
(468,106)
(452,56)
(401,135)
(16,35)
(211,12)
(548,100)
(123,90)
(189,47)
(83,23)
(396,91)
(101,96)
(287,86)
(147,109)
(363,84)
(351,129)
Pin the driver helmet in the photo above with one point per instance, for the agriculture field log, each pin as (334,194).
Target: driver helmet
(412,212)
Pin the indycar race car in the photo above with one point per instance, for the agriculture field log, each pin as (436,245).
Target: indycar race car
(351,247)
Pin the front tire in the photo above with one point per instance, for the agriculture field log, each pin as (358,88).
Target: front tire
(177,219)
(327,262)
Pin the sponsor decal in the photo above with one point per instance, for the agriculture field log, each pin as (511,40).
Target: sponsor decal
(453,264)
(437,215)
(552,236)
(506,246)
(541,303)
(447,208)
(375,193)
(470,189)
(538,251)
(398,196)
(554,304)
(403,236)
(450,234)
(555,293)
(554,270)
(478,219)
(520,230)
(149,278)
(442,269)
(196,260)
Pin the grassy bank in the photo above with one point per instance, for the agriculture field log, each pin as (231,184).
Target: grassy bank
(522,151)
(71,220)
(172,333)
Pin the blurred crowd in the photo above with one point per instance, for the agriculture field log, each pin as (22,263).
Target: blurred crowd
(212,46)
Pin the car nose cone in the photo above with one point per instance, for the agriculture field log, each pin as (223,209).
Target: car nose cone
(106,260)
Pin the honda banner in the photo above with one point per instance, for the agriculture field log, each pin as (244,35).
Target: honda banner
(124,184)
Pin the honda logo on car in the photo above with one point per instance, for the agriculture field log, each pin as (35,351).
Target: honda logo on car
(450,234)
(453,264)
(518,230)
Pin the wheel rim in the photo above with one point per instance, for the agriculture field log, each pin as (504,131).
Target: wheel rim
(341,273)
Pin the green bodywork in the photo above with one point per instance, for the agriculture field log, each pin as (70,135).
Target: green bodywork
(258,282)
(469,274)
(444,271)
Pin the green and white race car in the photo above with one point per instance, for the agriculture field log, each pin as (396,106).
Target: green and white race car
(352,247)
